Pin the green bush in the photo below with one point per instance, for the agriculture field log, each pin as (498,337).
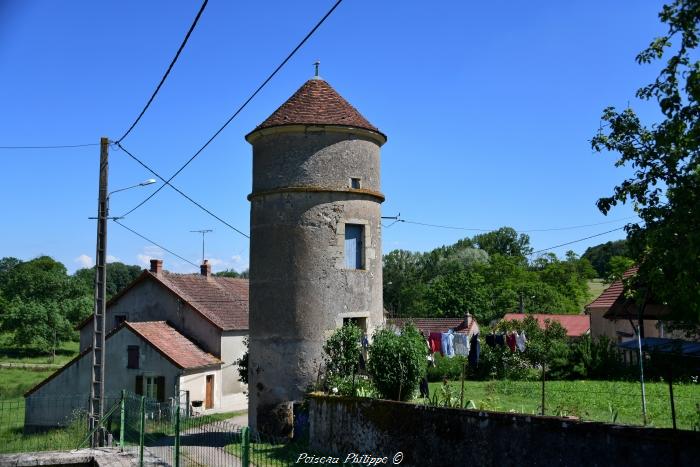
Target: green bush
(501,363)
(343,351)
(354,386)
(450,368)
(397,363)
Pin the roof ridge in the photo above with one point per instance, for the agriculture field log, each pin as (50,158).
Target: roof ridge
(317,103)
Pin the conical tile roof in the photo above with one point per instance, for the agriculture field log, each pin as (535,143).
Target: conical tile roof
(316,103)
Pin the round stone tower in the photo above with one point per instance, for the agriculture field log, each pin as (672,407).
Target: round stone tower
(315,246)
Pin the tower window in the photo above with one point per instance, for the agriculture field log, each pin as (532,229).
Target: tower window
(355,183)
(354,246)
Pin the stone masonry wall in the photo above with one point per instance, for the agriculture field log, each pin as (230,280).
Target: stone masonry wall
(432,436)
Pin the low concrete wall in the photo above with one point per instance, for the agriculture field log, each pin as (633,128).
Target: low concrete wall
(432,436)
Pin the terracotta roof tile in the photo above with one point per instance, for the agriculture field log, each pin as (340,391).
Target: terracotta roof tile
(612,293)
(222,300)
(317,103)
(170,343)
(428,325)
(575,325)
(173,345)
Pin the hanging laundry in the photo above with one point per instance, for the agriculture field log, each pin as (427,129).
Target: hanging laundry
(461,344)
(365,341)
(435,340)
(520,341)
(474,350)
(510,341)
(448,349)
(500,340)
(490,340)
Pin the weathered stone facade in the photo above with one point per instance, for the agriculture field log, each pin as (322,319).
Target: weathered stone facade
(303,197)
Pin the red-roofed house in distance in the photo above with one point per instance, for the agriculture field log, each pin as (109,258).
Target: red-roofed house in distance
(612,314)
(575,325)
(169,337)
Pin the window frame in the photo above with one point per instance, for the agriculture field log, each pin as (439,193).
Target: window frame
(360,247)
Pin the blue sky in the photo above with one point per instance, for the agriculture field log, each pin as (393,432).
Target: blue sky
(489,108)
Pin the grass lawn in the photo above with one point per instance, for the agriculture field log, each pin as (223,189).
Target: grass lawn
(269,454)
(14,382)
(12,354)
(595,288)
(604,401)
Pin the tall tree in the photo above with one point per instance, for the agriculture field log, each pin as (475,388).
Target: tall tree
(40,301)
(504,241)
(665,155)
(119,275)
(600,255)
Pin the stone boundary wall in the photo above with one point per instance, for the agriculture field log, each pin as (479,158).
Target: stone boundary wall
(436,436)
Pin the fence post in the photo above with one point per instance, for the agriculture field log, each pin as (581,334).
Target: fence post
(177,435)
(543,372)
(245,447)
(142,429)
(122,419)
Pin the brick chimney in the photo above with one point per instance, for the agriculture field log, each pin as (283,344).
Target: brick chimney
(156,266)
(205,268)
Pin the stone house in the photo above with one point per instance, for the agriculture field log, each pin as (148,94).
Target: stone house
(169,336)
(612,314)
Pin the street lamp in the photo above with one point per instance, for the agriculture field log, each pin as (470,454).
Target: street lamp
(97,389)
(150,181)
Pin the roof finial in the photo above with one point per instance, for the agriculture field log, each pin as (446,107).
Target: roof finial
(316,65)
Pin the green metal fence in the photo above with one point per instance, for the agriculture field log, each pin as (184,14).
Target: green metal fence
(168,433)
(154,433)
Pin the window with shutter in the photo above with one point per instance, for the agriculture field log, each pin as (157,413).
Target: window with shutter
(151,387)
(132,357)
(160,388)
(354,248)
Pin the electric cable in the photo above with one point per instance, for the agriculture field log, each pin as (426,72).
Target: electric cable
(154,243)
(167,72)
(167,182)
(64,146)
(245,103)
(575,241)
(573,227)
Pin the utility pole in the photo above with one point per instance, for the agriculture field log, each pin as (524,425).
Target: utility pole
(97,390)
(203,232)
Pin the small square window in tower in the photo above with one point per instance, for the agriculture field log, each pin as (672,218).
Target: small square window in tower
(355,183)
(354,246)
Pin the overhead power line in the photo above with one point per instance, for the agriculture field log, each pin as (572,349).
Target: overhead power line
(167,72)
(154,243)
(575,241)
(473,229)
(63,146)
(167,182)
(245,103)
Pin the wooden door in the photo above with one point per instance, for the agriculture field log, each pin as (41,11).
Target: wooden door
(209,396)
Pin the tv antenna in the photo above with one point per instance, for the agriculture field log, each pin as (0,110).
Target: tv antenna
(203,232)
